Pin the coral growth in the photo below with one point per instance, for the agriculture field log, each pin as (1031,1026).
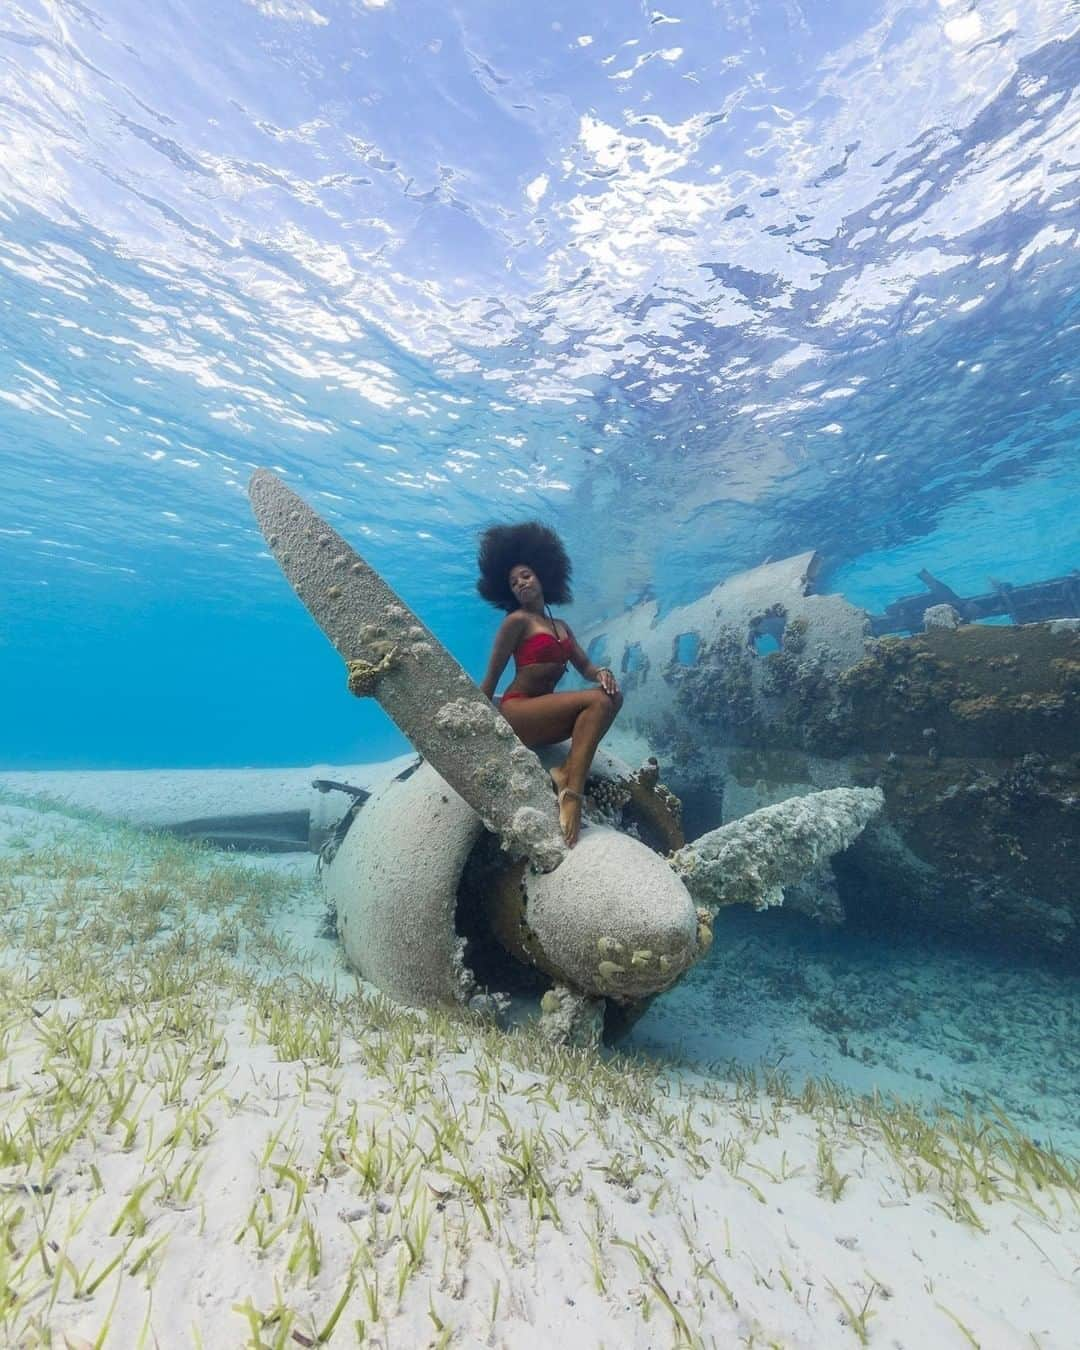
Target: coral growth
(719,689)
(974,733)
(752,859)
(364,675)
(569,1018)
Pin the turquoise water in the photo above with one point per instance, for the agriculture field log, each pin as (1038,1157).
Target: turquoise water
(699,287)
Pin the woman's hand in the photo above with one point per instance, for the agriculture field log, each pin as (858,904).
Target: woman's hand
(606,680)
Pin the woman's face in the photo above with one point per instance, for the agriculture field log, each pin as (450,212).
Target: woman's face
(525,584)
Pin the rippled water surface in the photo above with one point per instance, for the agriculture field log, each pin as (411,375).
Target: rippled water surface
(700,285)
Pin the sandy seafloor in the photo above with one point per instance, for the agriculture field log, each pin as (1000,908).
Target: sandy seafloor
(754,1220)
(940,1027)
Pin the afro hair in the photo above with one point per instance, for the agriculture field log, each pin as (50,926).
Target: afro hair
(504,546)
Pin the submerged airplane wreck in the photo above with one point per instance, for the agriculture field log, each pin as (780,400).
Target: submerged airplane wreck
(453,878)
(763,690)
(456,918)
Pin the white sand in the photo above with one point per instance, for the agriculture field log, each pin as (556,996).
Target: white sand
(482,1190)
(168,796)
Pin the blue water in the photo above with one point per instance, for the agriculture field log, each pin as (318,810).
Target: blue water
(698,286)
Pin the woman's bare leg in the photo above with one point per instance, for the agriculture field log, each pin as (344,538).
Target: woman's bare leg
(584,716)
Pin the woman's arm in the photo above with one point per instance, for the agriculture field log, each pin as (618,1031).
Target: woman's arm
(506,639)
(601,675)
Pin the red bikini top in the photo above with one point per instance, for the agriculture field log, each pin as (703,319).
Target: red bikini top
(544,647)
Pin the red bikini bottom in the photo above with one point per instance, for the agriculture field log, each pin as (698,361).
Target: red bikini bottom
(514,694)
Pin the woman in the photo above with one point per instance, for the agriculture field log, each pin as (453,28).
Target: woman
(524,569)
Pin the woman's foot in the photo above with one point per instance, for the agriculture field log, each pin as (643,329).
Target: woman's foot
(570,814)
(570,801)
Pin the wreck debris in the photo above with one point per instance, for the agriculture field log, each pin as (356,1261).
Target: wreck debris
(432,911)
(973,731)
(752,859)
(1036,602)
